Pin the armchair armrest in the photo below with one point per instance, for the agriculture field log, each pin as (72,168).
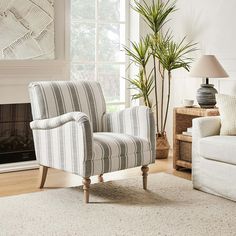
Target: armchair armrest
(64,142)
(58,121)
(136,121)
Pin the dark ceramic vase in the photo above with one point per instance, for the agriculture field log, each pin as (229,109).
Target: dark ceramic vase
(206,96)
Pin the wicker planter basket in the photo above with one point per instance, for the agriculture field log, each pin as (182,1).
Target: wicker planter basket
(162,147)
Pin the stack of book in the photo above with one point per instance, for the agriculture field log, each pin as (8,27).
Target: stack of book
(188,132)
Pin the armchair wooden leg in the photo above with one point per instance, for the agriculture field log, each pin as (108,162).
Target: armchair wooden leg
(43,170)
(100,178)
(145,170)
(86,183)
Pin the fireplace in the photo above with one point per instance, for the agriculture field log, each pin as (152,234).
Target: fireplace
(16,139)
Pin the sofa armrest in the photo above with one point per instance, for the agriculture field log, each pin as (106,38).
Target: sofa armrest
(202,127)
(206,126)
(58,121)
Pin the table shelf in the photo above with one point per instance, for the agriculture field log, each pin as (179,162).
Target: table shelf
(185,138)
(182,144)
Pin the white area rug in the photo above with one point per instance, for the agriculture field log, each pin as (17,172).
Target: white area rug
(170,207)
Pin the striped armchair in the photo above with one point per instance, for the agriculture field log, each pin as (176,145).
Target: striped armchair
(73,132)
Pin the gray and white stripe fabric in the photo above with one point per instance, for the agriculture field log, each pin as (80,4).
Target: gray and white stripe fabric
(65,144)
(84,140)
(115,151)
(52,99)
(59,121)
(63,149)
(137,121)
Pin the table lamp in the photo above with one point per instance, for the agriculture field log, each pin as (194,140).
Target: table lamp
(207,67)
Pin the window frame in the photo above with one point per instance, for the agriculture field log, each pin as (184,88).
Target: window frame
(126,22)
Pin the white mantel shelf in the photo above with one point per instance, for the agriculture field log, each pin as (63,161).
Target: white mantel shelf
(15,77)
(30,63)
(23,72)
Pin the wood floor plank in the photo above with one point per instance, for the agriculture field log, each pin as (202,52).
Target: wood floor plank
(20,182)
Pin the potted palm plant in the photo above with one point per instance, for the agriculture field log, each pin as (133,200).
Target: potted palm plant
(165,55)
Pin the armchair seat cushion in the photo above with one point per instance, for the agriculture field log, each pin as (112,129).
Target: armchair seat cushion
(122,149)
(219,148)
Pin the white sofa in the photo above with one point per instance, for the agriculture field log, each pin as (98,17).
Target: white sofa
(213,158)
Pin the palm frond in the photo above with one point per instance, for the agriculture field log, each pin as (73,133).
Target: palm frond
(173,55)
(156,14)
(139,52)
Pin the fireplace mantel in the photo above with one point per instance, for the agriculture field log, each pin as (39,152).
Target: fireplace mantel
(23,72)
(15,77)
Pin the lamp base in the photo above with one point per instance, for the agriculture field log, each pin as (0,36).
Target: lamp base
(207,106)
(206,96)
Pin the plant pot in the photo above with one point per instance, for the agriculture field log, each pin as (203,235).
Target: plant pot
(162,146)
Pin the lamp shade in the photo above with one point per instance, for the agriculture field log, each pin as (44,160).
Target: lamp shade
(208,67)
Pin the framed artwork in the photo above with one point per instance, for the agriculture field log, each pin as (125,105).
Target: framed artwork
(27,29)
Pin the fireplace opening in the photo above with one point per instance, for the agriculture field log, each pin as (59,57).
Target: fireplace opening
(16,138)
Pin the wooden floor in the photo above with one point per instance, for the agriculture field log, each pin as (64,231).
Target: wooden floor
(15,183)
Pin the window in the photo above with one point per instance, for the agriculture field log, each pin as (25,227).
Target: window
(98,31)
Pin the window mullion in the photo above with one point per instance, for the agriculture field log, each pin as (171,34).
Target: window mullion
(127,61)
(93,65)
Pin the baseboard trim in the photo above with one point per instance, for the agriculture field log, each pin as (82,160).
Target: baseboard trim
(19,166)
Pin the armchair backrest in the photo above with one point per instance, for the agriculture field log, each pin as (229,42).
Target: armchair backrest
(54,98)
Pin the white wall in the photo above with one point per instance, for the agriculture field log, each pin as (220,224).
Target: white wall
(211,24)
(16,75)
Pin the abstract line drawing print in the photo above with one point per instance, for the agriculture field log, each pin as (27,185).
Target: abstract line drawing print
(27,29)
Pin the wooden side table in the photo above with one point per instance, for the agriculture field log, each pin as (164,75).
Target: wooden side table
(182,144)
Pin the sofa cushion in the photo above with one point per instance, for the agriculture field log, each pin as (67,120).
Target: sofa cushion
(219,148)
(227,108)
